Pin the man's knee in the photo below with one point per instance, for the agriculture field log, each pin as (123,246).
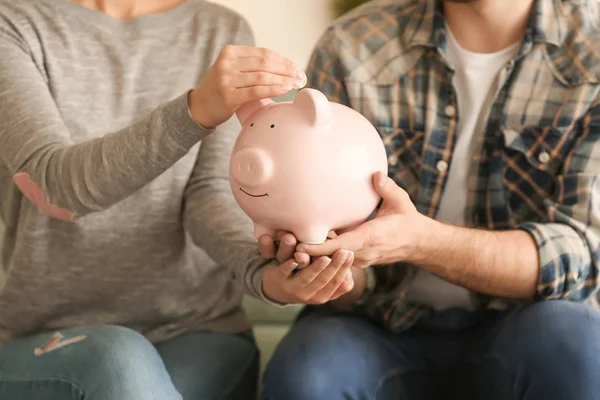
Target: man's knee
(554,334)
(311,361)
(571,326)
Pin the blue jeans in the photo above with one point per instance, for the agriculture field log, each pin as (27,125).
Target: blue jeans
(547,350)
(115,363)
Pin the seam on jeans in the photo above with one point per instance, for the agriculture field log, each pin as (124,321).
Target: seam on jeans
(506,370)
(256,353)
(80,391)
(390,374)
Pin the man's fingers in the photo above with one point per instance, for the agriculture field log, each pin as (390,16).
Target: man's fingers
(394,197)
(266,247)
(287,247)
(353,240)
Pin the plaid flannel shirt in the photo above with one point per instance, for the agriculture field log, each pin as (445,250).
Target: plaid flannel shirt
(536,166)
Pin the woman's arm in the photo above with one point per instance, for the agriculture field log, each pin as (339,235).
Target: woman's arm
(68,180)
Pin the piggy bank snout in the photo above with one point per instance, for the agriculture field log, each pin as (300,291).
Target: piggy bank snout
(252,167)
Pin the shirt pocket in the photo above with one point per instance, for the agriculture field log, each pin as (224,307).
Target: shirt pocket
(404,151)
(532,161)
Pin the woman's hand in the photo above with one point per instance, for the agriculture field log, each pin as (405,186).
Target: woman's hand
(241,74)
(323,280)
(297,279)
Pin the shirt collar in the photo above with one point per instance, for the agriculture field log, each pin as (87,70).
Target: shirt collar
(546,24)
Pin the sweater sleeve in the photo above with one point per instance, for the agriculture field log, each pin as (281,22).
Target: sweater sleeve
(212,217)
(67,180)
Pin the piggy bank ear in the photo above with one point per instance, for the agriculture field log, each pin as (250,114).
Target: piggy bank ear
(248,109)
(315,106)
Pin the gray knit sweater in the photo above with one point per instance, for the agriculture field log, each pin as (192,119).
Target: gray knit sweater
(116,203)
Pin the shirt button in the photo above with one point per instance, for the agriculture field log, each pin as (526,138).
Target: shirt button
(442,166)
(544,157)
(450,111)
(393,160)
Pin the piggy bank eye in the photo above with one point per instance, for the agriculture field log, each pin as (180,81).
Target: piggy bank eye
(252,124)
(272,126)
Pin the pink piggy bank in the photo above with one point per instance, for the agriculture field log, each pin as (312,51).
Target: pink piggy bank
(305,166)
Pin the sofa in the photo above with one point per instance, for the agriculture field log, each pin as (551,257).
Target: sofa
(270,325)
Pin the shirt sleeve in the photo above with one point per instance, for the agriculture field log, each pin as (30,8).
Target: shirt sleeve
(67,180)
(569,243)
(326,71)
(215,221)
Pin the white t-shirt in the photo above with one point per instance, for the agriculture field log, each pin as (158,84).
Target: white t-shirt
(474,83)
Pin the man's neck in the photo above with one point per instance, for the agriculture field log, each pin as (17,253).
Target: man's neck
(127,9)
(487,26)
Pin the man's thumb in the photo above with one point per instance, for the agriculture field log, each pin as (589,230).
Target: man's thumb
(385,186)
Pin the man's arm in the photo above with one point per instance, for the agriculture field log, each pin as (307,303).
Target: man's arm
(568,243)
(555,259)
(503,264)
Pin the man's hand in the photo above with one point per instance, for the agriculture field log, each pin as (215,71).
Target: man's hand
(241,74)
(497,263)
(393,235)
(297,280)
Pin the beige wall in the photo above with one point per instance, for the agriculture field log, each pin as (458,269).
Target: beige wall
(289,27)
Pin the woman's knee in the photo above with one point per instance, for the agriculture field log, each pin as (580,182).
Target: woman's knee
(117,362)
(108,347)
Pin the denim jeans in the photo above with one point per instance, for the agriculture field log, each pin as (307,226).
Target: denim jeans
(547,350)
(115,363)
